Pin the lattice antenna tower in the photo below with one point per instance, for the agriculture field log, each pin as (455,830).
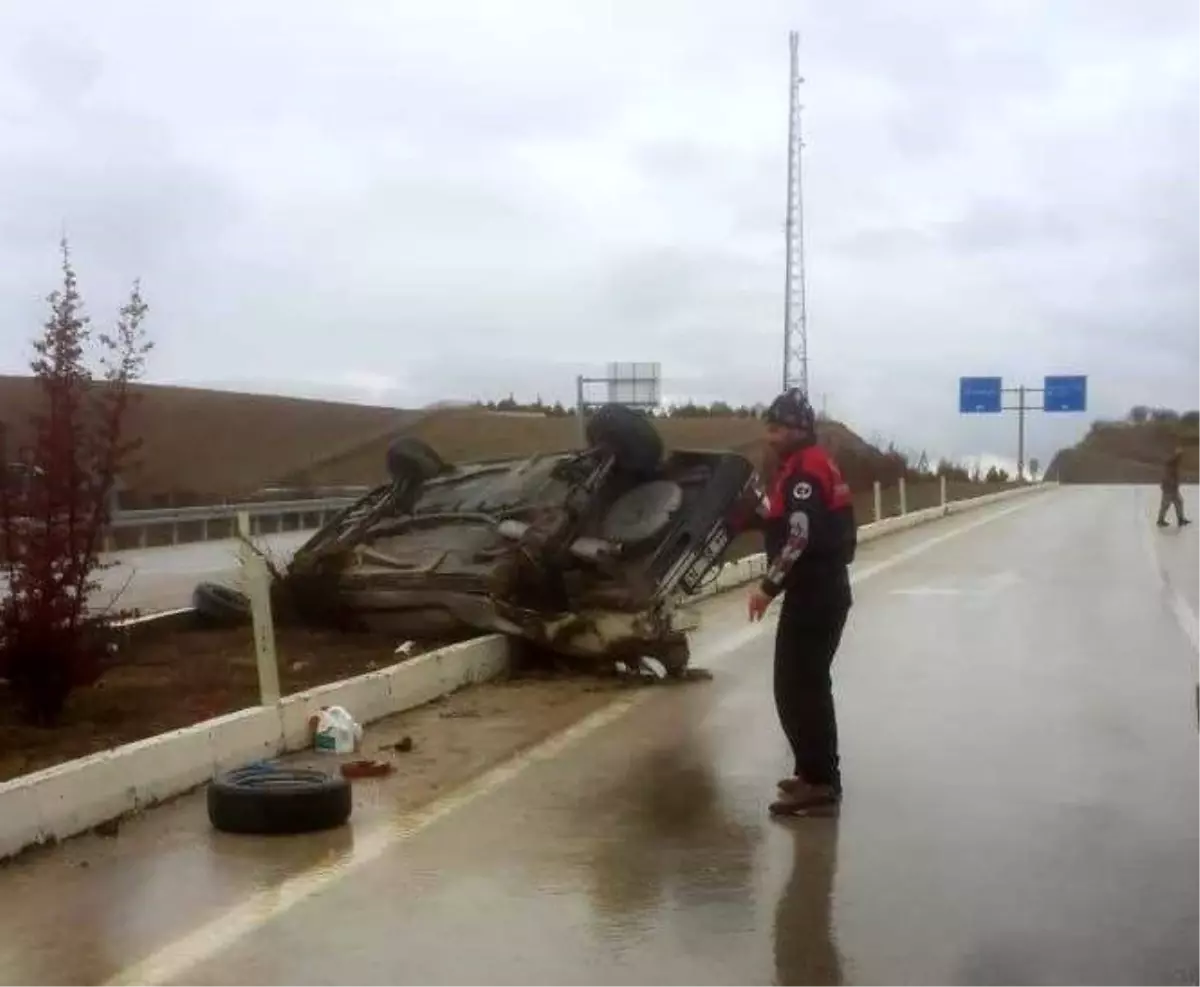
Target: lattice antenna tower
(795,300)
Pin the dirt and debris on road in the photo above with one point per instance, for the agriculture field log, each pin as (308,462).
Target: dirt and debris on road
(446,743)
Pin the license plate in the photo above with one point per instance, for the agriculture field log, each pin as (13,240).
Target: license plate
(712,550)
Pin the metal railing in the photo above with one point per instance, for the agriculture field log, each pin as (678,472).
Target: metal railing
(180,525)
(183,525)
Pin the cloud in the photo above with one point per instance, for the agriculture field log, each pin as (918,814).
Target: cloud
(415,202)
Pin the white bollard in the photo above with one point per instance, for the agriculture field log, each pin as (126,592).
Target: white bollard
(903,498)
(942,484)
(878,502)
(258,589)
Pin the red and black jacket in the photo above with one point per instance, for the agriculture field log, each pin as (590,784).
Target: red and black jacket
(809,528)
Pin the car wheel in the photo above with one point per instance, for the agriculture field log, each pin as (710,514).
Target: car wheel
(630,437)
(270,801)
(409,458)
(220,605)
(642,513)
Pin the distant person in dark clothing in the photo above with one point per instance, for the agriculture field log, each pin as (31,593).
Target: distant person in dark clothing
(1170,490)
(809,528)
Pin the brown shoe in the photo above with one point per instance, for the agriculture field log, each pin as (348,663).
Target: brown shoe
(807,800)
(790,786)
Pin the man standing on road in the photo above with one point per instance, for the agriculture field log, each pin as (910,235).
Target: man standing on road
(1170,490)
(811,537)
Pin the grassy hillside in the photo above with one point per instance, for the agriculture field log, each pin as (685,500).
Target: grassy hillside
(203,446)
(1130,451)
(465,435)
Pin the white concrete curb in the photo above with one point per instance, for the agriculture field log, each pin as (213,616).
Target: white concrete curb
(71,798)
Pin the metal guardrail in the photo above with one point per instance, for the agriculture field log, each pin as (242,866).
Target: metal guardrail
(224,512)
(182,525)
(201,517)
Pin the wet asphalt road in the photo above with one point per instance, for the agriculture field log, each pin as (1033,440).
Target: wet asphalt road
(1016,698)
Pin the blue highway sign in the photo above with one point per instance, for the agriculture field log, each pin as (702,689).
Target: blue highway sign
(1065,394)
(980,395)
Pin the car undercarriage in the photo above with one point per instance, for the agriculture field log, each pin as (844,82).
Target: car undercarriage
(585,553)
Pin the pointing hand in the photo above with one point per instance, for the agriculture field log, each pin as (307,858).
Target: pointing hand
(758,603)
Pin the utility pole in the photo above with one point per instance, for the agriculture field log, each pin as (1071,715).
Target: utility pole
(795,301)
(1021,430)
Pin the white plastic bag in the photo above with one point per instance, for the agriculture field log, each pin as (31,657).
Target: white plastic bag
(336,731)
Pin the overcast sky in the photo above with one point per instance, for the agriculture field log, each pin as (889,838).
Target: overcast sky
(401,201)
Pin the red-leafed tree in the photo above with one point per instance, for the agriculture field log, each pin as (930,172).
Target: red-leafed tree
(56,499)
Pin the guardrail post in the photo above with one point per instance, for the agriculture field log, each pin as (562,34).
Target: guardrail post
(878,502)
(942,485)
(142,536)
(903,498)
(258,589)
(204,529)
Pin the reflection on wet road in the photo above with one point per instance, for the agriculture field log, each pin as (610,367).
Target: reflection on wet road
(1020,756)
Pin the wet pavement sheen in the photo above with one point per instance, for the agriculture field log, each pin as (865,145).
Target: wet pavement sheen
(1019,747)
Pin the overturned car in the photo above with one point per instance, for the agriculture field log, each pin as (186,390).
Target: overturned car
(585,553)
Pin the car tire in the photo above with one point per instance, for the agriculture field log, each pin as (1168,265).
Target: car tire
(630,437)
(409,459)
(270,801)
(219,605)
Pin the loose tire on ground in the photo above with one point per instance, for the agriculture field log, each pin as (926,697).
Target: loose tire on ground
(628,436)
(220,605)
(277,801)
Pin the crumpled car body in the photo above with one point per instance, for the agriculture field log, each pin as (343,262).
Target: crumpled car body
(583,553)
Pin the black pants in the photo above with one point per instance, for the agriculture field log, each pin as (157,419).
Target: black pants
(806,640)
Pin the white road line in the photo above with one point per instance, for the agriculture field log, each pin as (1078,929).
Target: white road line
(1184,615)
(1186,619)
(206,941)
